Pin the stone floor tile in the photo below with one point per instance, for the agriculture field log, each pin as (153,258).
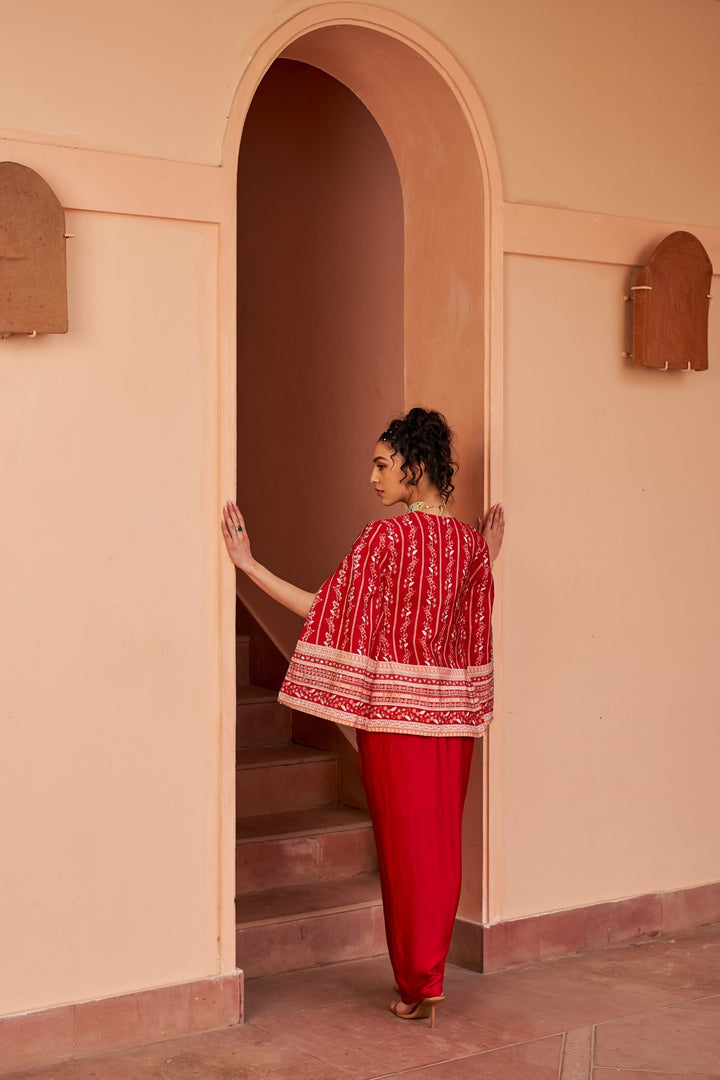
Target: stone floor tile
(538,1060)
(548,999)
(684,1040)
(656,1006)
(244,1053)
(376,1043)
(577,1054)
(352,981)
(632,1074)
(673,966)
(711,1003)
(595,987)
(489,1011)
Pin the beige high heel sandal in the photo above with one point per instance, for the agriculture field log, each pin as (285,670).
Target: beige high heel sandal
(422,1010)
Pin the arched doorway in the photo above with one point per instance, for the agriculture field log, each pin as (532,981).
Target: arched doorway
(440,140)
(319,323)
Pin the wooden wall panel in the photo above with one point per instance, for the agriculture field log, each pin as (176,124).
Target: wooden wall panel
(671,300)
(33,278)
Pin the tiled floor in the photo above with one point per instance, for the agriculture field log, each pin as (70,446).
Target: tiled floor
(643,1012)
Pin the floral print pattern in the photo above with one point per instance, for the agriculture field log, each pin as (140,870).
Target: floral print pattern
(399,638)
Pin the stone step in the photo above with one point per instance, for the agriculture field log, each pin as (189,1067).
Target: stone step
(302,926)
(242,660)
(302,847)
(261,719)
(274,779)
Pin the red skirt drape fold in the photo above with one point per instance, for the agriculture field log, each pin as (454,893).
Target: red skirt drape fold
(416,787)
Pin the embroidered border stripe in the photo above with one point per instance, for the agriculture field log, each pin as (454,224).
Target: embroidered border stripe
(389,696)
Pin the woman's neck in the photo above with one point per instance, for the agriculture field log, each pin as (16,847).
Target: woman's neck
(428,500)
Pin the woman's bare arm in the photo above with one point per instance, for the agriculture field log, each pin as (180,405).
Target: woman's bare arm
(238,546)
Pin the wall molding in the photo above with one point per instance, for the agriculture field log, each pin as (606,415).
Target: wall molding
(70,1032)
(111,183)
(582,236)
(122,184)
(598,926)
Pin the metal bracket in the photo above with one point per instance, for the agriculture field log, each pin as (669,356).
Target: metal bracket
(635,288)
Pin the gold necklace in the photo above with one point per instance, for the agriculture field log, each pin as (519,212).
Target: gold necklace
(420,505)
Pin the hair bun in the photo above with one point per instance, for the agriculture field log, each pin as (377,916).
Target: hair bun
(423,437)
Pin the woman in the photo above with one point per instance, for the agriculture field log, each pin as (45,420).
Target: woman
(397,644)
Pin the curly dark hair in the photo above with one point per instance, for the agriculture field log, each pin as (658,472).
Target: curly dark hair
(423,438)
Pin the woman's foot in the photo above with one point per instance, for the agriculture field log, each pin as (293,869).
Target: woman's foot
(493,530)
(419,1011)
(401,1009)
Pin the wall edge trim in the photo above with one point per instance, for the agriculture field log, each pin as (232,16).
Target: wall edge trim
(536,938)
(104,1025)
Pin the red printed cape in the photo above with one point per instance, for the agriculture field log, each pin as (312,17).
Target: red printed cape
(399,638)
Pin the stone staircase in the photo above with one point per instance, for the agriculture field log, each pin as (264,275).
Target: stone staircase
(307,889)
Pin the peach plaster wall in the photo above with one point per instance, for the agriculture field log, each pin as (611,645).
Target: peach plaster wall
(109,636)
(590,104)
(111,722)
(611,580)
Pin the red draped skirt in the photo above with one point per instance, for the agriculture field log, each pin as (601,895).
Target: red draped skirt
(416,787)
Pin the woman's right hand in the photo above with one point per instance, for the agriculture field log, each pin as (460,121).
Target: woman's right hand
(236,537)
(493,530)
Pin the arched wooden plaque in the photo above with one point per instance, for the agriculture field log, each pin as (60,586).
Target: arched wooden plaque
(33,277)
(671,304)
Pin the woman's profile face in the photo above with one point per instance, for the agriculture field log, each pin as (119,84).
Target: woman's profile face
(387,476)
